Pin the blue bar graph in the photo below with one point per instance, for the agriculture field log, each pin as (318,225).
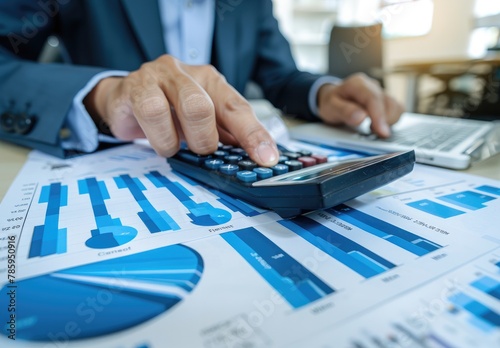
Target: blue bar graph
(467,199)
(488,285)
(230,202)
(351,254)
(435,209)
(109,231)
(393,234)
(155,221)
(483,317)
(201,214)
(49,239)
(489,189)
(292,280)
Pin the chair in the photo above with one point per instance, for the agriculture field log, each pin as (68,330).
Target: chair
(356,49)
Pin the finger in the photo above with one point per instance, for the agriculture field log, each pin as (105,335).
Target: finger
(227,138)
(393,109)
(369,95)
(338,110)
(152,111)
(236,117)
(194,109)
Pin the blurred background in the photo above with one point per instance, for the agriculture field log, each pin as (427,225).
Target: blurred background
(438,57)
(435,56)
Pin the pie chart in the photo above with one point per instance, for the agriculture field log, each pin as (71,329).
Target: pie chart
(101,298)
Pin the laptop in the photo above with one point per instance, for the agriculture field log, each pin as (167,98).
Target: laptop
(448,142)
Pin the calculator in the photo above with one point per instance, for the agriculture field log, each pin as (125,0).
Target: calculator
(301,182)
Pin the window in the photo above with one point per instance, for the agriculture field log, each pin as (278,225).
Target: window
(404,18)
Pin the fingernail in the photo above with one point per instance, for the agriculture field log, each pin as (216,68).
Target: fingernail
(267,153)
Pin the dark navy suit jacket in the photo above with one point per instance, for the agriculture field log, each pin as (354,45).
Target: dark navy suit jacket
(122,34)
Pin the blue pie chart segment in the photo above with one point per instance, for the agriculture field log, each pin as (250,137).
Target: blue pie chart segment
(111,236)
(102,298)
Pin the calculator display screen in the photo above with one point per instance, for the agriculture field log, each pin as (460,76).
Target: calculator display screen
(320,171)
(336,170)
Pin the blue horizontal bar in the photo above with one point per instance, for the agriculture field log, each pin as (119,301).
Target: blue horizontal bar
(467,199)
(290,278)
(435,209)
(489,189)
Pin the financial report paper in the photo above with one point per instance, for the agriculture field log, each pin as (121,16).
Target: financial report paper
(114,249)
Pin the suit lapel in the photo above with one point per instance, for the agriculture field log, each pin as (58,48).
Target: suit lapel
(145,19)
(227,29)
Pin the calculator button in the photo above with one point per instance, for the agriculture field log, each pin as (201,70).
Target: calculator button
(306,153)
(220,154)
(213,163)
(247,165)
(280,169)
(293,165)
(233,159)
(239,151)
(229,169)
(246,176)
(283,159)
(226,147)
(307,161)
(263,173)
(193,158)
(320,159)
(291,155)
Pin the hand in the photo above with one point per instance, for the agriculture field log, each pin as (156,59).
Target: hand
(166,101)
(356,98)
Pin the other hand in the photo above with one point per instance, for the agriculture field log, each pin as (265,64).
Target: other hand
(355,99)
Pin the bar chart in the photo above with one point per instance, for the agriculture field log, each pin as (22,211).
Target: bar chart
(461,309)
(353,255)
(236,205)
(109,231)
(124,252)
(476,298)
(488,285)
(109,201)
(49,239)
(291,279)
(457,203)
(156,221)
(480,315)
(201,214)
(489,189)
(389,232)
(436,209)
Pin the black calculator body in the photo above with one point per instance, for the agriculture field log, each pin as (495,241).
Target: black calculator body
(300,183)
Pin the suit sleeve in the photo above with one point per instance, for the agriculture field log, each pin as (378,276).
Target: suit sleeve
(282,83)
(42,92)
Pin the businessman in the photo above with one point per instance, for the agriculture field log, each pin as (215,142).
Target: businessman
(162,69)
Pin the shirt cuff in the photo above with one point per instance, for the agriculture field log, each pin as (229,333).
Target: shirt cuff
(83,134)
(313,92)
